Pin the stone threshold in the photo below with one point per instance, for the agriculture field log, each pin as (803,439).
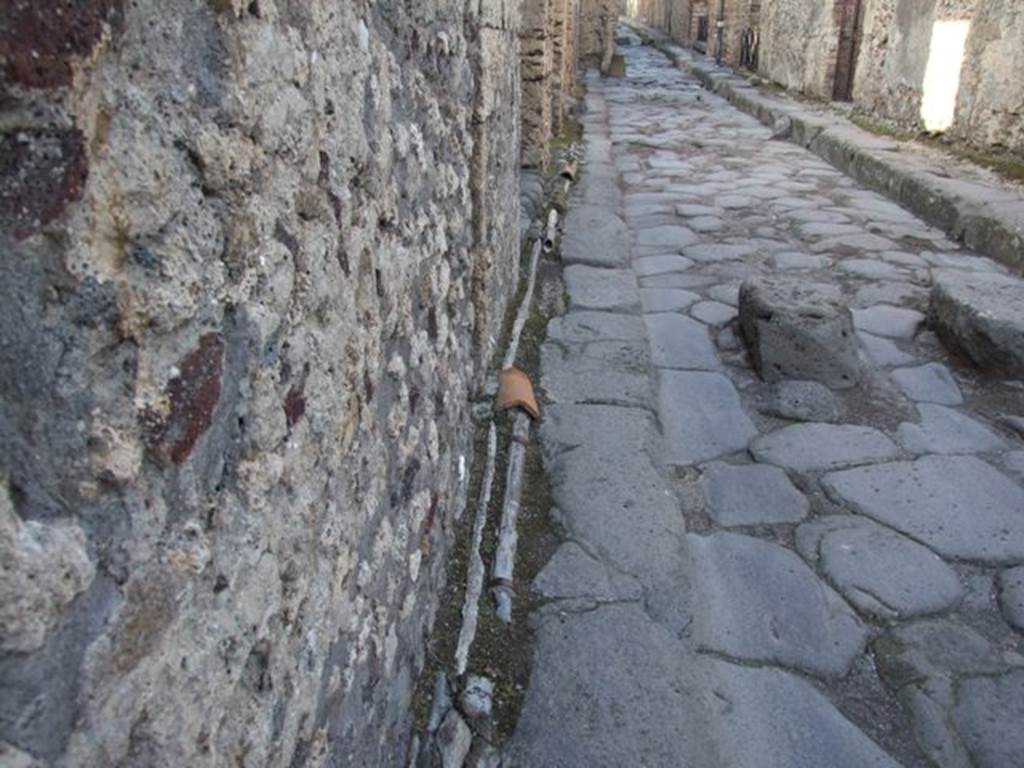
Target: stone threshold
(986,217)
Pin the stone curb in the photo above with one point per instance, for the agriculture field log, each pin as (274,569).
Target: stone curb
(986,218)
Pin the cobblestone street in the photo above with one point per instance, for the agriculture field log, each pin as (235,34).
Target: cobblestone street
(789,541)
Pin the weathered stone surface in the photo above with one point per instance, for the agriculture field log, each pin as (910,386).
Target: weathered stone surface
(712,252)
(611,372)
(596,236)
(713,312)
(701,416)
(667,236)
(275,242)
(884,320)
(750,495)
(981,315)
(790,261)
(679,342)
(987,716)
(884,352)
(958,505)
(798,330)
(1011,596)
(45,566)
(680,703)
(659,265)
(454,738)
(813,447)
(573,574)
(666,299)
(476,698)
(880,571)
(922,662)
(800,401)
(929,383)
(609,496)
(760,602)
(943,430)
(581,326)
(611,290)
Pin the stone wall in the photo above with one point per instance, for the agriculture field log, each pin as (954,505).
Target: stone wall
(255,254)
(894,54)
(598,19)
(799,40)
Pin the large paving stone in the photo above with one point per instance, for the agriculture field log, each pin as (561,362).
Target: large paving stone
(988,717)
(609,687)
(581,326)
(883,351)
(943,430)
(713,312)
(812,447)
(660,265)
(679,342)
(758,601)
(594,235)
(880,571)
(799,330)
(572,574)
(750,495)
(958,505)
(701,416)
(611,372)
(923,662)
(1011,596)
(667,299)
(608,494)
(929,383)
(712,252)
(800,401)
(603,289)
(665,236)
(884,320)
(982,315)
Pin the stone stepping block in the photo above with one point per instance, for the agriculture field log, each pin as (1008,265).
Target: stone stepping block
(595,236)
(713,312)
(880,571)
(929,383)
(701,416)
(605,289)
(759,602)
(958,505)
(679,342)
(799,330)
(1011,596)
(883,352)
(665,236)
(815,447)
(885,320)
(982,316)
(750,495)
(799,401)
(666,299)
(943,430)
(582,326)
(659,265)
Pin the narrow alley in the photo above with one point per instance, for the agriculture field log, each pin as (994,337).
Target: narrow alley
(758,570)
